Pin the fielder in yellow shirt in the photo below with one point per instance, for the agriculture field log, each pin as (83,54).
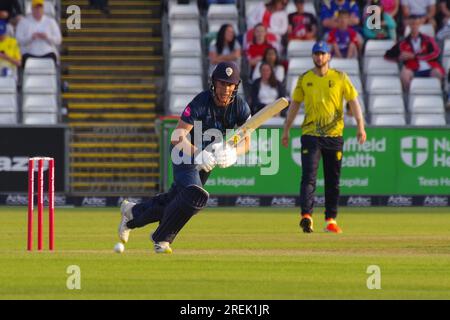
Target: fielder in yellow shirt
(323,91)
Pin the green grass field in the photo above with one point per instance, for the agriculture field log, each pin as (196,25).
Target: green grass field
(234,254)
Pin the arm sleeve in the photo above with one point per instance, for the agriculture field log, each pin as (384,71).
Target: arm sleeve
(245,114)
(23,36)
(299,94)
(350,92)
(190,113)
(55,33)
(393,53)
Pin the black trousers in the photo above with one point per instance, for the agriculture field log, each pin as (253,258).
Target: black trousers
(330,150)
(48,55)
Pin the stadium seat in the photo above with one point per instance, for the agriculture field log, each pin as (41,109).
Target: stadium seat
(181,29)
(275,121)
(7,85)
(178,102)
(426,104)
(297,66)
(383,85)
(40,84)
(388,120)
(380,66)
(40,103)
(446,50)
(349,121)
(428,120)
(299,48)
(39,118)
(356,81)
(185,84)
(298,121)
(186,66)
(8,118)
(386,104)
(183,11)
(8,103)
(226,12)
(350,66)
(40,66)
(377,48)
(214,25)
(425,86)
(185,48)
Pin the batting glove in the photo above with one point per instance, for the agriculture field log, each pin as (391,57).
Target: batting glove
(205,160)
(226,157)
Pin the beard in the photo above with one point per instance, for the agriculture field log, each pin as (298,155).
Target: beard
(320,65)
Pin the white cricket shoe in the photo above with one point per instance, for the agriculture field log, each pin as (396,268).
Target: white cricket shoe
(161,247)
(127,215)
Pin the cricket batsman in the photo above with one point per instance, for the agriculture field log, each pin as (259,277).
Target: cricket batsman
(323,91)
(218,108)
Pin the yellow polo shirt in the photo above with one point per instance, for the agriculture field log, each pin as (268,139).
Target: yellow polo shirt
(324,101)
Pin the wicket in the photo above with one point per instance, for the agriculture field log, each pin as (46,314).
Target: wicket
(40,202)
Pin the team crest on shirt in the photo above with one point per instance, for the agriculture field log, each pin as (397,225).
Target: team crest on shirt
(331,84)
(309,84)
(338,155)
(229,71)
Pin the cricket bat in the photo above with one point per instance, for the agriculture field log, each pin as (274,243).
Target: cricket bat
(256,121)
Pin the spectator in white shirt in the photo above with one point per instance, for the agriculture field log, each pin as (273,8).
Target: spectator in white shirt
(271,57)
(426,8)
(266,89)
(39,36)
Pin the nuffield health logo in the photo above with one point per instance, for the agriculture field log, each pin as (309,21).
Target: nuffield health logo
(414,151)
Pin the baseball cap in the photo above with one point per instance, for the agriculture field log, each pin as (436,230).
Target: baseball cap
(227,72)
(321,46)
(3,27)
(35,3)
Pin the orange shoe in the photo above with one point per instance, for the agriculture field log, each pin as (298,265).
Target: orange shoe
(332,226)
(306,223)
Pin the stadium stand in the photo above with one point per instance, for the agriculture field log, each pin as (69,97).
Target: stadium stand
(375,78)
(113,70)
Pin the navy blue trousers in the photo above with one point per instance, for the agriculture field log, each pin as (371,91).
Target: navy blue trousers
(153,210)
(330,150)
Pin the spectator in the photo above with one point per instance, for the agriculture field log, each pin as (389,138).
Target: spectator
(343,39)
(330,11)
(443,13)
(387,28)
(101,5)
(426,8)
(266,89)
(10,58)
(391,7)
(302,25)
(11,11)
(224,48)
(38,35)
(273,16)
(258,46)
(271,57)
(419,54)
